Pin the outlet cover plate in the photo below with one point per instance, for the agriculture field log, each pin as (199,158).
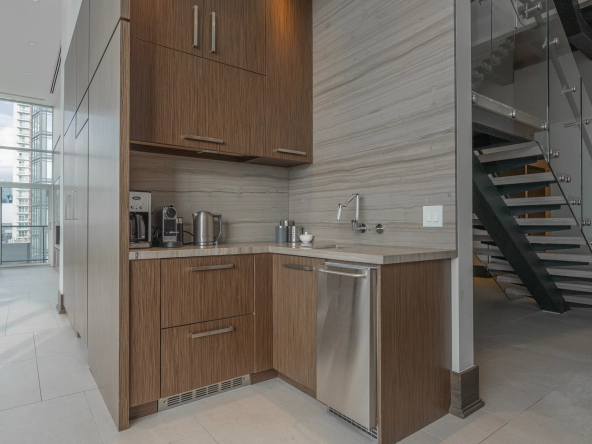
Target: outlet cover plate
(433,216)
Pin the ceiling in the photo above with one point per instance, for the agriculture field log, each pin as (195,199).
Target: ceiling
(30,34)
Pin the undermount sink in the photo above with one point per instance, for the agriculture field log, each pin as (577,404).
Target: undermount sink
(329,247)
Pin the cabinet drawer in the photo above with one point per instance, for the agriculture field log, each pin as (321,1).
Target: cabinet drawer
(205,289)
(190,361)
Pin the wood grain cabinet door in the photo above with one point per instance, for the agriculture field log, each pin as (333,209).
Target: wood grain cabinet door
(189,102)
(288,81)
(295,294)
(175,24)
(205,289)
(192,359)
(235,33)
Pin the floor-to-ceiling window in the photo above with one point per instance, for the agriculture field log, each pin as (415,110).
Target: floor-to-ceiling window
(26,182)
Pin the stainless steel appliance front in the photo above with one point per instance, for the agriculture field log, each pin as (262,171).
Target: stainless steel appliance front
(346,341)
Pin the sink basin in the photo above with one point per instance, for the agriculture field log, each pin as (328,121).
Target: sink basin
(329,247)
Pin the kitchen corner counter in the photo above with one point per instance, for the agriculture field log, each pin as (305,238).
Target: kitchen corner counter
(352,253)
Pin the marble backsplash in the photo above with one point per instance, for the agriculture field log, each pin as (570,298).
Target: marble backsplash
(251,198)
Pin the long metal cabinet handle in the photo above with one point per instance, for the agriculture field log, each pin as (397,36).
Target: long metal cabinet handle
(285,151)
(74,199)
(195,26)
(213,14)
(211,333)
(298,267)
(212,267)
(203,139)
(341,273)
(67,207)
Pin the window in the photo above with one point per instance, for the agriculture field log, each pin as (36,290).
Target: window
(23,217)
(22,233)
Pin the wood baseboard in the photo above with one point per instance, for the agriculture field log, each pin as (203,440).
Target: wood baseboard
(142,410)
(465,398)
(302,388)
(266,375)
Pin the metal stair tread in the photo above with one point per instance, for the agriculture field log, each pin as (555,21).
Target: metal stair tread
(546,221)
(524,179)
(570,286)
(585,299)
(513,147)
(533,151)
(550,240)
(527,201)
(570,272)
(493,251)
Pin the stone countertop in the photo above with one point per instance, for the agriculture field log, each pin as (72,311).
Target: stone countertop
(351,253)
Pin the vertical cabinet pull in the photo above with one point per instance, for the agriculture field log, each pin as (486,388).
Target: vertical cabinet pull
(74,199)
(213,15)
(67,207)
(195,26)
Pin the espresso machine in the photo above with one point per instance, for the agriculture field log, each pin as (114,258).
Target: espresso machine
(139,219)
(169,231)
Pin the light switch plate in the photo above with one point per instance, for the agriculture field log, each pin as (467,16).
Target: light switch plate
(432,216)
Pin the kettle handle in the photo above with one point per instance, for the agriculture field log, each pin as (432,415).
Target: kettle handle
(219,235)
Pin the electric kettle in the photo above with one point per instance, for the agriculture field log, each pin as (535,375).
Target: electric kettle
(203,228)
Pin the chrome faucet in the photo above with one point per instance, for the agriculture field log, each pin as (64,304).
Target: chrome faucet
(356,225)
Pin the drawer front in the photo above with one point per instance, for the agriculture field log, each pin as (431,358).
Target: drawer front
(192,360)
(205,289)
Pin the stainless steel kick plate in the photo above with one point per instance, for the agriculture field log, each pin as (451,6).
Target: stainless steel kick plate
(203,392)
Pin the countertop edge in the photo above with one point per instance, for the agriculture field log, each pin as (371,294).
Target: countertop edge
(342,254)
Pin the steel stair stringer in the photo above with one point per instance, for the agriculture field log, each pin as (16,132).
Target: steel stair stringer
(495,216)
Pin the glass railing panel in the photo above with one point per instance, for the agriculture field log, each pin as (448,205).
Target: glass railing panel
(586,164)
(25,244)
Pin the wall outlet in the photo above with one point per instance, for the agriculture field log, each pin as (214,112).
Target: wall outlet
(432,216)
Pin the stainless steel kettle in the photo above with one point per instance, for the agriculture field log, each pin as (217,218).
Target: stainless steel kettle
(203,228)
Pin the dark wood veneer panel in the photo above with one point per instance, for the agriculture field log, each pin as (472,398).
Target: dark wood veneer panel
(414,347)
(144,331)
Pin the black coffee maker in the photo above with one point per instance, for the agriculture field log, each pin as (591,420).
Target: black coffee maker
(140,219)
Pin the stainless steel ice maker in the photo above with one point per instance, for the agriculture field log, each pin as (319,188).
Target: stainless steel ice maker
(347,341)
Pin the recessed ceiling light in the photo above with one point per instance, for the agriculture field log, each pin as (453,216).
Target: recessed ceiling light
(31,43)
(28,72)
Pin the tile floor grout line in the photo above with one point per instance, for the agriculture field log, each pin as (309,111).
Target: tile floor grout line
(37,364)
(93,415)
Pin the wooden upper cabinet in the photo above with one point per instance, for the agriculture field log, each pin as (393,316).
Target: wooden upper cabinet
(235,33)
(189,102)
(227,31)
(176,24)
(295,297)
(289,80)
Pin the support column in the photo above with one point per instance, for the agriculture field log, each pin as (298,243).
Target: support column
(464,376)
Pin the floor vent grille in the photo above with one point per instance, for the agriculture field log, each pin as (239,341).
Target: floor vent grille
(373,434)
(202,392)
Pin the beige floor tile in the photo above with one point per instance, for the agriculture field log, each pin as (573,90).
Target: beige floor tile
(66,420)
(19,384)
(278,391)
(202,438)
(61,319)
(534,428)
(504,401)
(26,316)
(421,437)
(64,374)
(164,427)
(17,348)
(57,342)
(570,403)
(271,426)
(228,407)
(43,295)
(471,430)
(335,431)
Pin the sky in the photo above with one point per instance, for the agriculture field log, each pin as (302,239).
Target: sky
(7,138)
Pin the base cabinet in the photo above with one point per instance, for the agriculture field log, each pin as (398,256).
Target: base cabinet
(295,303)
(198,355)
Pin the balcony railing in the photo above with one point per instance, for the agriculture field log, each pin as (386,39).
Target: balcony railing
(32,248)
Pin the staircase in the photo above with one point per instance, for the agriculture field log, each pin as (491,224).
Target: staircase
(517,238)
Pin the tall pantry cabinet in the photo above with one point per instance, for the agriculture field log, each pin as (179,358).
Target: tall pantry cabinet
(75,175)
